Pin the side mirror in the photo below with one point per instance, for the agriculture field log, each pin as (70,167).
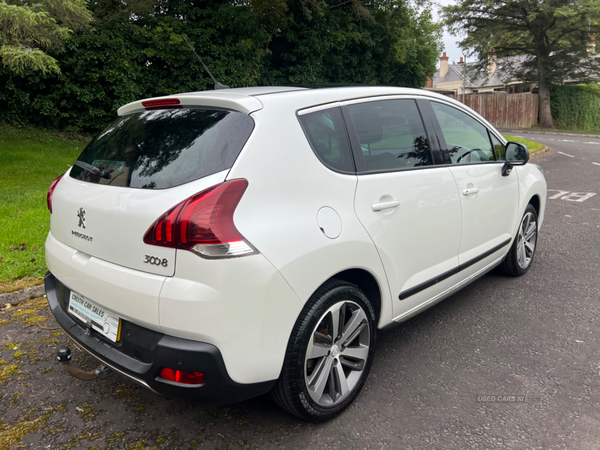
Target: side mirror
(517,154)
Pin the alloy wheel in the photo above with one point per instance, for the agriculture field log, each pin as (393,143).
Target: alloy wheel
(337,353)
(527,239)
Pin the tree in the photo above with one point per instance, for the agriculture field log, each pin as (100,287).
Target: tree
(136,50)
(550,37)
(28,30)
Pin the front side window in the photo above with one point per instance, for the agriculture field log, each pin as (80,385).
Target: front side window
(327,136)
(499,148)
(467,140)
(391,135)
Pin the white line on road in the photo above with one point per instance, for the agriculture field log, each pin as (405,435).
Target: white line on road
(598,164)
(566,154)
(594,143)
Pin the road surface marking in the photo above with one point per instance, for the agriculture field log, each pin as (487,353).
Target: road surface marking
(566,140)
(594,143)
(571,196)
(566,154)
(578,196)
(598,164)
(555,196)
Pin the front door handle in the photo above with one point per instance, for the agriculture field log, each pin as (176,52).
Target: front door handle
(384,205)
(470,191)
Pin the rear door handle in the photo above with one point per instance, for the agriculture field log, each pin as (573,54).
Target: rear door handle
(470,191)
(384,205)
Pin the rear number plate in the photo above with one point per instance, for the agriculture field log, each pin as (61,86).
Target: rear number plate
(94,316)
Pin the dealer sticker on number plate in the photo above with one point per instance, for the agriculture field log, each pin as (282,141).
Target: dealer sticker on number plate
(96,317)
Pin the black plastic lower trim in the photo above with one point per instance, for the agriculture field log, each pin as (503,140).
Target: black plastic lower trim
(142,353)
(427,284)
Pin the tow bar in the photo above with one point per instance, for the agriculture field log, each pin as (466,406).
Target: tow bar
(64,358)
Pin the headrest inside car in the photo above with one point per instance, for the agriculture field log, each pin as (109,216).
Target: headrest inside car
(369,125)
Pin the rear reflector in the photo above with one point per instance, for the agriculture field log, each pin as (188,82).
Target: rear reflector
(204,223)
(51,192)
(182,376)
(161,104)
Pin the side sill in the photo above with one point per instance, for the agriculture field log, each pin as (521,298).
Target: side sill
(427,284)
(448,292)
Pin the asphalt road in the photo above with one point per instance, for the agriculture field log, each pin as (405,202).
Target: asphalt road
(536,336)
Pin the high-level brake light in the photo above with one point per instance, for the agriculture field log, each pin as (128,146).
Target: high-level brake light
(204,223)
(165,103)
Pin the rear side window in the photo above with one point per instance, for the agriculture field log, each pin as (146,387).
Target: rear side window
(165,148)
(391,135)
(327,135)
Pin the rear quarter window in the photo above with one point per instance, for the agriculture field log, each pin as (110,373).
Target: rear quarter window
(327,136)
(165,148)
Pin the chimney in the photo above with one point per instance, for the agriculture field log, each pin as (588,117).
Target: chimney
(443,65)
(591,46)
(461,60)
(491,67)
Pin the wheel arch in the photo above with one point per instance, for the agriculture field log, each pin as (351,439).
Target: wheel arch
(366,282)
(536,203)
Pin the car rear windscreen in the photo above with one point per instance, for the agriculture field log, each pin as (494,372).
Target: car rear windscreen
(164,148)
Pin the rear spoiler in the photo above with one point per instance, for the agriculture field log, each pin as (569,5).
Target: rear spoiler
(221,99)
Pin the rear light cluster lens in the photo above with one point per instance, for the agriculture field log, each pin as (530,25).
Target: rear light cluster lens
(204,223)
(51,192)
(182,376)
(162,104)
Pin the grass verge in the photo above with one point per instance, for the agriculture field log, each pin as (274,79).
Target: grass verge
(30,160)
(531,145)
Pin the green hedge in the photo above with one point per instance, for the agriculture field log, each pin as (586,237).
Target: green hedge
(576,107)
(136,50)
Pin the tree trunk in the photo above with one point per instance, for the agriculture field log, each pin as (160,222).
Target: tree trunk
(544,105)
(544,110)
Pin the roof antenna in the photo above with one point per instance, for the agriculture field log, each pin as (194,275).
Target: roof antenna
(217,84)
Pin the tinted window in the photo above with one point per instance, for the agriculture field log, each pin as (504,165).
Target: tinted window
(466,138)
(499,149)
(327,136)
(391,135)
(165,148)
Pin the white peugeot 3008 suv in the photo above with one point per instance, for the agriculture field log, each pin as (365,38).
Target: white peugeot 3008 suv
(221,245)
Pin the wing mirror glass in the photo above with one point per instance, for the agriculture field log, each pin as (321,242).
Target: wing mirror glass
(517,154)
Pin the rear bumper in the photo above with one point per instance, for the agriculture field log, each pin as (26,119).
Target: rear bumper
(142,353)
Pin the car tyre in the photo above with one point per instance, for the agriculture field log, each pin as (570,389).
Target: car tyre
(329,353)
(520,256)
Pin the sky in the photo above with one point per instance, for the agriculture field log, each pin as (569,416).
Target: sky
(450,47)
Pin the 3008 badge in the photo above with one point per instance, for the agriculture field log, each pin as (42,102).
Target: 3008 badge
(156,261)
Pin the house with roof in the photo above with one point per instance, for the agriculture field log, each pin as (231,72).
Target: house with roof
(465,77)
(461,76)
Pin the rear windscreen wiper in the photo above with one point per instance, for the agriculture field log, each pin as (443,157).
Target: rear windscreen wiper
(101,173)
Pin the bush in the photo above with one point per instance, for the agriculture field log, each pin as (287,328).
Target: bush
(136,50)
(576,107)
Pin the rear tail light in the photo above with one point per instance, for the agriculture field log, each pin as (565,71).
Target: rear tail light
(51,192)
(182,376)
(204,223)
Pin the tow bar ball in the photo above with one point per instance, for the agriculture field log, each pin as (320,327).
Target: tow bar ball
(64,356)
